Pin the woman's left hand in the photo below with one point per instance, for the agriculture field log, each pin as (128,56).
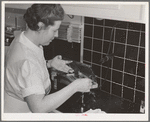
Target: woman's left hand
(60,64)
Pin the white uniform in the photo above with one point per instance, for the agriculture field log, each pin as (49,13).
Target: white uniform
(26,74)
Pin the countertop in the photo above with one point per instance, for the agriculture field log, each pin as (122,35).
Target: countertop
(98,99)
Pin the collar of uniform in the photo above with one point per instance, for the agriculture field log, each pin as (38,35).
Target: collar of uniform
(24,40)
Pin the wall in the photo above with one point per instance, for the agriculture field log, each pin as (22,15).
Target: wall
(124,75)
(11,14)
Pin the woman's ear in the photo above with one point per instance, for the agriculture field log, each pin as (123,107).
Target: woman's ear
(41,26)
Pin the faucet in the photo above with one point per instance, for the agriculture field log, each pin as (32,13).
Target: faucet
(82,103)
(107,58)
(82,100)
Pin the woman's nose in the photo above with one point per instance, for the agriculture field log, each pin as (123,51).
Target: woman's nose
(56,34)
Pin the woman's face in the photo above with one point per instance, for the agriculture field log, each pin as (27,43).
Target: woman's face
(49,33)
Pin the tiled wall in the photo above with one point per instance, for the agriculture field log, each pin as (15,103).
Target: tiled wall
(124,75)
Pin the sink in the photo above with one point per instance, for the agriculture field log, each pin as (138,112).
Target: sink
(104,101)
(55,111)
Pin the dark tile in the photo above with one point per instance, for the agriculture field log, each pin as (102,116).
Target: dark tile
(97,45)
(131,52)
(139,96)
(108,33)
(130,66)
(88,43)
(107,47)
(142,40)
(143,27)
(98,32)
(105,86)
(118,63)
(96,57)
(128,93)
(141,69)
(115,23)
(96,70)
(134,26)
(88,30)
(110,23)
(142,55)
(106,63)
(133,38)
(106,73)
(88,20)
(119,50)
(98,22)
(140,84)
(116,89)
(117,77)
(120,36)
(129,80)
(87,55)
(122,24)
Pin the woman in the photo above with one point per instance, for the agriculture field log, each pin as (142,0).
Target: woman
(27,83)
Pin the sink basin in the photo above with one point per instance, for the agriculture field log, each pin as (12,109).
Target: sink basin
(55,111)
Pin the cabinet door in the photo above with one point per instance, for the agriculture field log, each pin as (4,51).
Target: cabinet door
(124,12)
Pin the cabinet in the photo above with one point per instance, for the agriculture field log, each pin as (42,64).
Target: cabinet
(125,11)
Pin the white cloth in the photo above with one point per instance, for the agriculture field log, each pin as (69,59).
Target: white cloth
(26,71)
(95,111)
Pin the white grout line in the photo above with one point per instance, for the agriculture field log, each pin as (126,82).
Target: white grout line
(92,42)
(124,61)
(113,52)
(137,65)
(116,27)
(116,56)
(123,85)
(116,70)
(117,42)
(101,54)
(82,40)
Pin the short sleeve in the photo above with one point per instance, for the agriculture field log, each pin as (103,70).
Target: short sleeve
(30,79)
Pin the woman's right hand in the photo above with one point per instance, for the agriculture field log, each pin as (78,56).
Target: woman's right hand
(83,85)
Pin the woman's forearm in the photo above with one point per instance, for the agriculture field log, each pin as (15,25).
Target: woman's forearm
(48,103)
(54,100)
(42,103)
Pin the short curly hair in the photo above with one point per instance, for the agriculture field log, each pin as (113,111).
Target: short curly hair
(46,13)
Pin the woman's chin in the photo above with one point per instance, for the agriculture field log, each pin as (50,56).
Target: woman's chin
(46,44)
